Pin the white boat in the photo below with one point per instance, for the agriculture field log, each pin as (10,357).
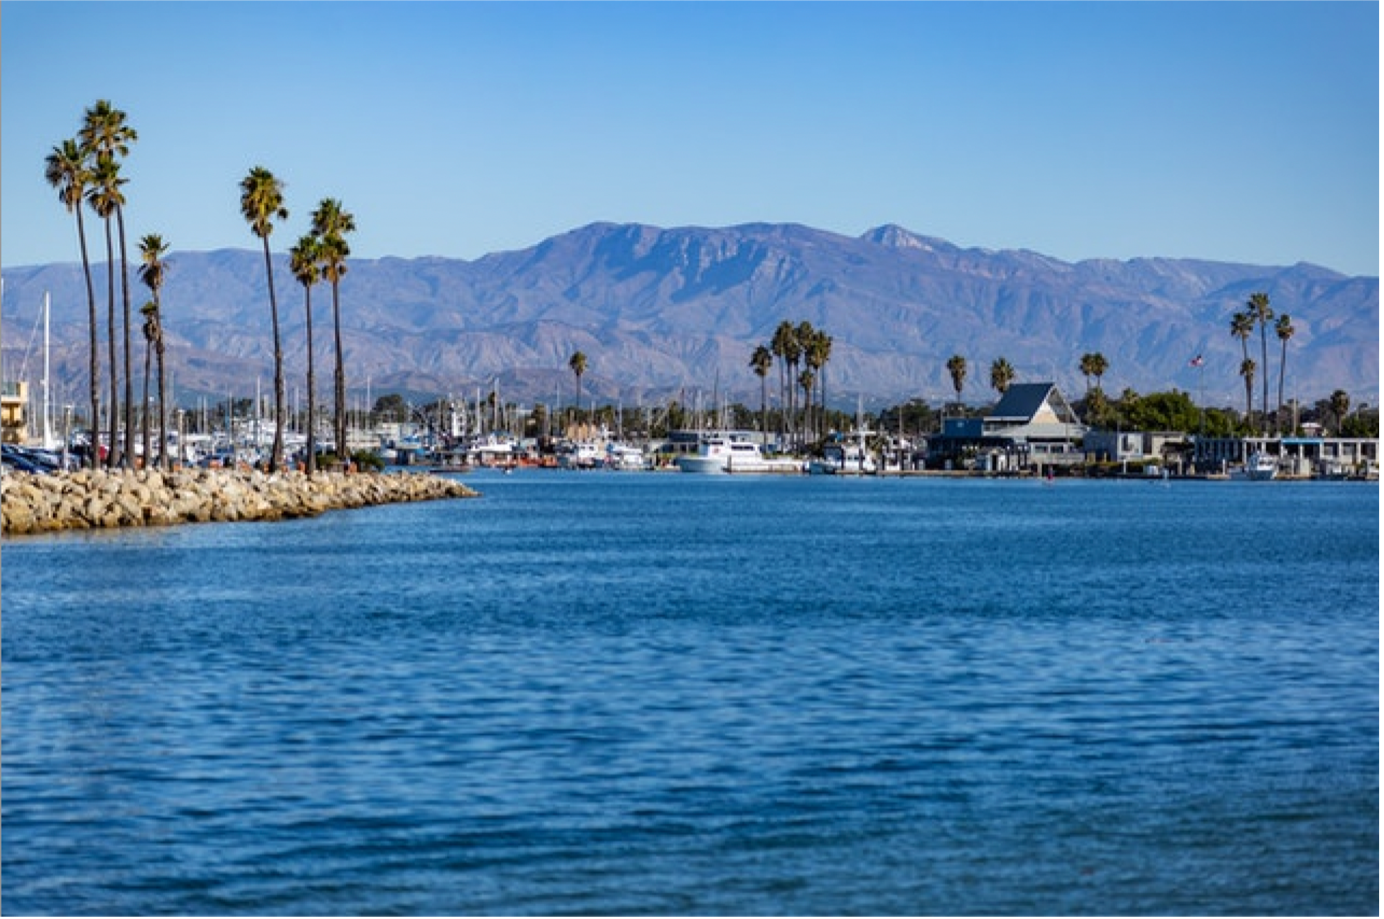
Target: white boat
(720,455)
(846,457)
(1259,467)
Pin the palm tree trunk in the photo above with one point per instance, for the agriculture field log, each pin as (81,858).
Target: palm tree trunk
(1264,382)
(148,451)
(276,453)
(129,382)
(163,404)
(312,386)
(1282,369)
(115,456)
(95,353)
(340,378)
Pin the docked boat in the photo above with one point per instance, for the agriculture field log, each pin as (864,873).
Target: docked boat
(1258,467)
(720,455)
(845,457)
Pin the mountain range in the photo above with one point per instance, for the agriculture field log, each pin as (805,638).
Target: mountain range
(662,312)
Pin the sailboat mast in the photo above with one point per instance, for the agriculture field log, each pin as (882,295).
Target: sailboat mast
(48,439)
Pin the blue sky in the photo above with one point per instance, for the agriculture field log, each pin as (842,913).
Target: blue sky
(1230,131)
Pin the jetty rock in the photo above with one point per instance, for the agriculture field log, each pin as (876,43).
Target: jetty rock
(100,499)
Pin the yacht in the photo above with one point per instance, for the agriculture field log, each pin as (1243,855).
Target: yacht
(1259,467)
(721,454)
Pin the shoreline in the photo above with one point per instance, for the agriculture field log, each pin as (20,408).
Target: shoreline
(111,499)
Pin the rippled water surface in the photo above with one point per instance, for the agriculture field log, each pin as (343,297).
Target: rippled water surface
(623,693)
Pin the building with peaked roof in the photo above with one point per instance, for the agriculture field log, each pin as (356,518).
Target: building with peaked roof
(1032,427)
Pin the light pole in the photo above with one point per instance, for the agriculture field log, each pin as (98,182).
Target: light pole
(66,433)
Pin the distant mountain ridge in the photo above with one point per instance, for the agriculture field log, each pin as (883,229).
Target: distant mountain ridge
(658,311)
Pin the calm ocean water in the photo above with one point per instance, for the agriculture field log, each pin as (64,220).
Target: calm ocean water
(625,693)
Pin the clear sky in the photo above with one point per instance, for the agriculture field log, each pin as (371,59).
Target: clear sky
(1229,131)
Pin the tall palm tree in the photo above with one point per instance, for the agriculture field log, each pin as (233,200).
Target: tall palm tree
(807,379)
(1001,375)
(760,361)
(1283,328)
(788,349)
(261,203)
(578,364)
(330,224)
(108,135)
(102,197)
(1247,369)
(67,169)
(305,262)
(956,366)
(818,354)
(1242,326)
(1259,308)
(152,272)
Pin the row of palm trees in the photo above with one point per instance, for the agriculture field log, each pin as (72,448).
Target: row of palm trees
(794,345)
(319,254)
(1258,312)
(86,170)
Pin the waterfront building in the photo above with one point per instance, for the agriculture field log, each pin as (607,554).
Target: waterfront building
(1032,427)
(14,400)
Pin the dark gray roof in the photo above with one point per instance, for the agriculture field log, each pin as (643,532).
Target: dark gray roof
(1023,400)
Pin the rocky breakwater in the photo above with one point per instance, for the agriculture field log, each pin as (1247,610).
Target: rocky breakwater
(96,499)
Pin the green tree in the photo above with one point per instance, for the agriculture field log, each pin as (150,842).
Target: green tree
(760,362)
(107,134)
(956,366)
(1001,375)
(261,203)
(1283,328)
(67,169)
(304,260)
(1259,309)
(330,224)
(1340,405)
(153,270)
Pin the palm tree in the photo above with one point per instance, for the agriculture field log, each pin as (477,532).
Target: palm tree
(786,346)
(1247,368)
(956,366)
(760,361)
(818,353)
(261,203)
(578,365)
(1001,375)
(1093,365)
(108,136)
(1259,308)
(152,249)
(1340,404)
(807,379)
(304,261)
(67,169)
(102,197)
(1283,328)
(1242,326)
(330,224)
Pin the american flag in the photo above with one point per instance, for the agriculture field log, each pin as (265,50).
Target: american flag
(1197,361)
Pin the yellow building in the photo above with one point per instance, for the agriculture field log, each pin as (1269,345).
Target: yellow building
(14,398)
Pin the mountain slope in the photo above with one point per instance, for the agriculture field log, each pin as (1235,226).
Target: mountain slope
(658,310)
